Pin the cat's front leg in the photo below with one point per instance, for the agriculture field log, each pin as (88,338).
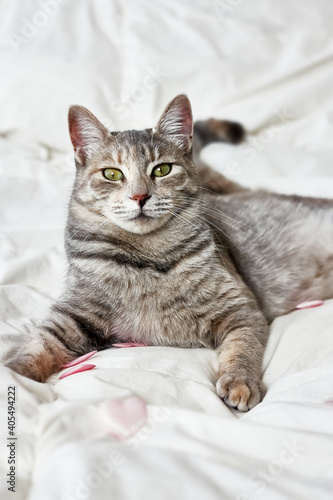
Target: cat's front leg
(40,356)
(240,356)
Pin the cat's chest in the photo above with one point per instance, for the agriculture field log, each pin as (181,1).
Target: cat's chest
(161,306)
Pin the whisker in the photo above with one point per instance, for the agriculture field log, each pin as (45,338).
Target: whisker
(204,202)
(80,226)
(211,211)
(208,237)
(221,230)
(224,222)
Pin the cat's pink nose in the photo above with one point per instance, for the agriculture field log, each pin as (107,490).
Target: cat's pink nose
(140,198)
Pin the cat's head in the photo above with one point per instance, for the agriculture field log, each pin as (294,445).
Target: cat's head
(136,180)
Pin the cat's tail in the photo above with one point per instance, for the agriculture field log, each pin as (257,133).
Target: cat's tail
(206,132)
(213,130)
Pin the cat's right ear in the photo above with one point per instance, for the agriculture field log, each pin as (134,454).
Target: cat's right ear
(86,132)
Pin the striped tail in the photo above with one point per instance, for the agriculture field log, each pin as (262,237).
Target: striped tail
(206,132)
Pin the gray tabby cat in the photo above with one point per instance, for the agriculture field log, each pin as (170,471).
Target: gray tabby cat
(164,252)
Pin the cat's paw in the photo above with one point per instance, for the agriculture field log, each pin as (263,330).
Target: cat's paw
(25,368)
(242,392)
(29,367)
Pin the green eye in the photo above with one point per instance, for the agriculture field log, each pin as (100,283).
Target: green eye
(113,174)
(161,170)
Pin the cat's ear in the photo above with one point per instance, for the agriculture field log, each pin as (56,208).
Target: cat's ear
(176,122)
(86,132)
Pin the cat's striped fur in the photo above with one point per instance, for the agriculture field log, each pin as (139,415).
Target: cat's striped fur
(190,259)
(154,273)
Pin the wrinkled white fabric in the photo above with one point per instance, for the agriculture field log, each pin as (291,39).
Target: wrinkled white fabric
(266,64)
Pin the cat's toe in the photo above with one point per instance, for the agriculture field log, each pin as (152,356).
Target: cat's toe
(240,392)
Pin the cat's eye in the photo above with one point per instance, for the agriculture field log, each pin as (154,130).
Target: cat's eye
(113,174)
(162,170)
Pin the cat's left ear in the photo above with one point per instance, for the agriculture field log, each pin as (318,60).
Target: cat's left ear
(176,122)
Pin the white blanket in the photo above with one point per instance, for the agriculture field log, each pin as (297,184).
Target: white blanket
(266,64)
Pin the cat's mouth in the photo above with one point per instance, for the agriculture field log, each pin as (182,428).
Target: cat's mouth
(141,216)
(140,223)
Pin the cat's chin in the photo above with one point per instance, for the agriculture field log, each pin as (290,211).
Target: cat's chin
(141,225)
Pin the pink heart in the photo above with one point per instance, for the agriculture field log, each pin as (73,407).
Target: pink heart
(77,369)
(129,344)
(80,359)
(329,402)
(124,418)
(308,305)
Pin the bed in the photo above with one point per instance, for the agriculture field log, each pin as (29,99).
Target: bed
(269,66)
